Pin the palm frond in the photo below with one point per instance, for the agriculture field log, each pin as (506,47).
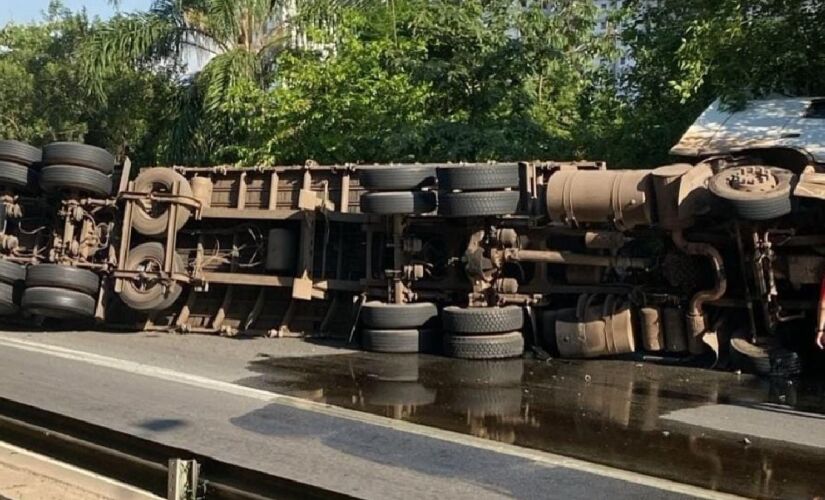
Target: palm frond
(224,71)
(128,40)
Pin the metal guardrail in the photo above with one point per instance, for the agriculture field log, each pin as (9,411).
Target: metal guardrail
(162,470)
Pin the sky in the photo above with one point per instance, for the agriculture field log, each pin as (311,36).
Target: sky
(24,11)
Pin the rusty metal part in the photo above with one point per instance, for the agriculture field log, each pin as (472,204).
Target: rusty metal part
(653,335)
(507,237)
(604,240)
(562,257)
(620,197)
(596,329)
(681,193)
(696,324)
(202,190)
(753,179)
(666,181)
(506,285)
(8,242)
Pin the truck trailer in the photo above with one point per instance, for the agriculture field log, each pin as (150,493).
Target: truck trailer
(717,259)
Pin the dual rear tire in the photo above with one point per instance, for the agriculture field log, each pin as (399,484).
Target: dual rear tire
(58,291)
(483,332)
(69,166)
(399,328)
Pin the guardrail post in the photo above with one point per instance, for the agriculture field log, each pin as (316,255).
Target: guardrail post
(183,479)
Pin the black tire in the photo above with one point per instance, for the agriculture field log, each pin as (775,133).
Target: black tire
(155,221)
(756,206)
(487,401)
(8,303)
(11,272)
(762,360)
(150,296)
(500,346)
(20,153)
(475,204)
(60,276)
(381,315)
(482,320)
(55,178)
(399,202)
(81,155)
(478,177)
(397,341)
(396,178)
(378,393)
(58,303)
(487,373)
(17,176)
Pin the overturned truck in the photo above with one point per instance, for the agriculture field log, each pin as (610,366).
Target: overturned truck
(719,258)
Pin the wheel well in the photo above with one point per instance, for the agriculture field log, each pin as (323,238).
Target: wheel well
(789,158)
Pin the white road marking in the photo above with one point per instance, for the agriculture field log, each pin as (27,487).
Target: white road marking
(175,376)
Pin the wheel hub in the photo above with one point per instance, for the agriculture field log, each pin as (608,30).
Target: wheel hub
(753,179)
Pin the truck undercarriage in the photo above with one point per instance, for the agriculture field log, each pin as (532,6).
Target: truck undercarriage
(715,263)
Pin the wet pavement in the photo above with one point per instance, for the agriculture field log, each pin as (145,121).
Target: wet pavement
(722,431)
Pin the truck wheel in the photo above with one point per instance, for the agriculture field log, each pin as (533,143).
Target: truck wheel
(20,153)
(81,155)
(7,303)
(480,203)
(397,341)
(501,346)
(396,178)
(17,176)
(11,272)
(398,202)
(60,276)
(482,320)
(755,192)
(762,360)
(478,177)
(56,178)
(148,294)
(382,315)
(58,303)
(153,222)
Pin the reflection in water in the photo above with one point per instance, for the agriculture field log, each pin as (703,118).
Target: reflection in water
(602,411)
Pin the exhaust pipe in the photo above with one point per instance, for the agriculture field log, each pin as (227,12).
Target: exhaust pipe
(696,323)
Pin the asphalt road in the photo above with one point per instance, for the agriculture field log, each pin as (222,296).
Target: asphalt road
(183,391)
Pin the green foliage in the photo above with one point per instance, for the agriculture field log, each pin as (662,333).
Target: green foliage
(400,80)
(689,53)
(428,81)
(43,99)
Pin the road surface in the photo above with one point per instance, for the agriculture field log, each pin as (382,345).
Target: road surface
(397,427)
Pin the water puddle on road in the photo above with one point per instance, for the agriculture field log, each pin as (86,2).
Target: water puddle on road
(617,413)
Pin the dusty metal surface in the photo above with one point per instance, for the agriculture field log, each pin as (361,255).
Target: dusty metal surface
(618,413)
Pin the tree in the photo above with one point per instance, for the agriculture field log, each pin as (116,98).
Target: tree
(43,99)
(689,53)
(240,38)
(434,80)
